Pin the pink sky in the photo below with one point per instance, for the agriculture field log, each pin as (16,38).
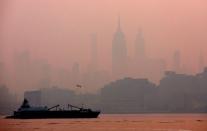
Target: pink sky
(59,30)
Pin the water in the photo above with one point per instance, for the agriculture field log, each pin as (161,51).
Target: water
(132,122)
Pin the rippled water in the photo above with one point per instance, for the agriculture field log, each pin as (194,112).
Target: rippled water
(132,122)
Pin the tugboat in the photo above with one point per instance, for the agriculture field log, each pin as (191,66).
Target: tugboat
(28,112)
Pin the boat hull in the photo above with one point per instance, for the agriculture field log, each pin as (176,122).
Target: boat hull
(54,114)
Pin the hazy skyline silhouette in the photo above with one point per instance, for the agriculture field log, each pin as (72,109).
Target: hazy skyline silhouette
(57,34)
(144,61)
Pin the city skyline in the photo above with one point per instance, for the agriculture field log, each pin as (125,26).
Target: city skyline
(23,62)
(163,33)
(54,45)
(132,64)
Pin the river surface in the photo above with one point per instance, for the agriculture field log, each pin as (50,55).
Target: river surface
(106,122)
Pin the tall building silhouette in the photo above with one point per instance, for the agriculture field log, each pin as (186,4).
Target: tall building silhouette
(119,53)
(2,67)
(44,74)
(23,69)
(94,51)
(1,73)
(176,61)
(75,74)
(200,62)
(139,46)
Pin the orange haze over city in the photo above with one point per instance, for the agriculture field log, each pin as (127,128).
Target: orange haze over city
(59,31)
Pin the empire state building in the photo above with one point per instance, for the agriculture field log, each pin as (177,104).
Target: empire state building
(119,54)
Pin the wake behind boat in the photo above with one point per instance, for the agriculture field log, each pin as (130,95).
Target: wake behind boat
(28,112)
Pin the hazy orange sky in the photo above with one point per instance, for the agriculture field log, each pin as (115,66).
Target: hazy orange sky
(59,30)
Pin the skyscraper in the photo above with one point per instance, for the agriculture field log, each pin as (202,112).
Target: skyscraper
(139,46)
(2,67)
(44,74)
(75,74)
(1,74)
(23,70)
(119,53)
(200,62)
(176,61)
(94,53)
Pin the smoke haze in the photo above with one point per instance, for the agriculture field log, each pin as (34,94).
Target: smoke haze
(57,34)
